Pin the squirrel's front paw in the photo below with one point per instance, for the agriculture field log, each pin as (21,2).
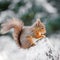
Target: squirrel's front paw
(42,36)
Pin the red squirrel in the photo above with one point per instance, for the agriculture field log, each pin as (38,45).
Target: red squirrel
(23,35)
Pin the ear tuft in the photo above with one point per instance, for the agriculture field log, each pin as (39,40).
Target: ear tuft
(38,22)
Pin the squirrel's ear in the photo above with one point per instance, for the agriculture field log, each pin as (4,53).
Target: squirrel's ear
(38,22)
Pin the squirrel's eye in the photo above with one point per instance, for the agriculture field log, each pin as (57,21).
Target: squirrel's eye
(42,28)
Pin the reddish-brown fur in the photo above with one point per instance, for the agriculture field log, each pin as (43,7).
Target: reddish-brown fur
(23,35)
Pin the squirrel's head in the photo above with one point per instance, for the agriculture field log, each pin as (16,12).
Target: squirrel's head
(38,28)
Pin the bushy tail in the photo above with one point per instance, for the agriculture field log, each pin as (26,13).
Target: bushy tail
(13,23)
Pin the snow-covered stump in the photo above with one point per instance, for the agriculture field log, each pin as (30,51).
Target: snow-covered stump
(43,50)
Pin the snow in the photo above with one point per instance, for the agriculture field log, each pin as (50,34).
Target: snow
(45,5)
(43,50)
(55,40)
(6,14)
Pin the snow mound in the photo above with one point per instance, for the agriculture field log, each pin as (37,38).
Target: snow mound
(43,50)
